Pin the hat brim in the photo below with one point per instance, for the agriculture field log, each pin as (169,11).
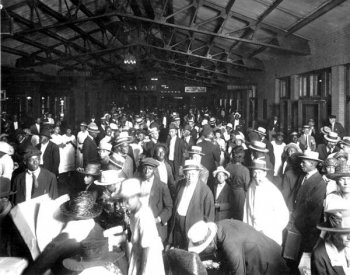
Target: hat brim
(332,140)
(199,248)
(225,172)
(305,157)
(261,133)
(79,265)
(7,194)
(90,174)
(192,168)
(68,212)
(324,227)
(337,176)
(258,149)
(118,180)
(197,153)
(259,168)
(93,131)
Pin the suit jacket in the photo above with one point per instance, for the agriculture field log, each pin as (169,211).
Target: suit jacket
(188,146)
(270,153)
(308,209)
(321,264)
(89,151)
(47,184)
(224,203)
(161,205)
(51,157)
(338,128)
(212,155)
(148,148)
(179,152)
(201,206)
(311,143)
(322,150)
(244,250)
(171,181)
(34,129)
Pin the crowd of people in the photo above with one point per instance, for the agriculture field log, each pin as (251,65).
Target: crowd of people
(196,192)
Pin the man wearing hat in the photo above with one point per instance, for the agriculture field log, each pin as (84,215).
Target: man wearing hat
(36,180)
(306,140)
(345,147)
(238,247)
(261,131)
(187,138)
(324,150)
(196,155)
(50,152)
(148,147)
(309,194)
(336,126)
(331,255)
(89,149)
(211,151)
(258,150)
(22,142)
(156,195)
(176,153)
(194,202)
(265,208)
(120,158)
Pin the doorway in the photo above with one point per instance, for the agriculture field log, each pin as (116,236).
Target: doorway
(315,109)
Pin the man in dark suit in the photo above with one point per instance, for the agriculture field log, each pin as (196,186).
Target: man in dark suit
(176,152)
(35,129)
(194,202)
(330,147)
(211,151)
(336,126)
(156,195)
(148,147)
(188,139)
(89,149)
(35,181)
(50,153)
(309,195)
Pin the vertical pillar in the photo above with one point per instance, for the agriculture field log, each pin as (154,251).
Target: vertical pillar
(79,100)
(339,92)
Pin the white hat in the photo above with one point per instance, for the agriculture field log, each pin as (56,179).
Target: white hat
(105,146)
(332,137)
(113,126)
(308,154)
(130,187)
(261,131)
(200,236)
(109,177)
(221,169)
(229,125)
(6,148)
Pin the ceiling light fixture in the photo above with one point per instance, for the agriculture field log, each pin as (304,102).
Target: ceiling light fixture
(129,59)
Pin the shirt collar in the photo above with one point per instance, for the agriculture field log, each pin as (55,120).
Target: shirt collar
(36,172)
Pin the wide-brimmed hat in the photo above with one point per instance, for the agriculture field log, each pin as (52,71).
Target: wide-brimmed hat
(92,169)
(345,141)
(92,253)
(308,154)
(200,236)
(332,137)
(129,188)
(337,221)
(109,177)
(113,126)
(292,145)
(196,150)
(6,148)
(259,164)
(325,130)
(258,146)
(31,151)
(330,162)
(45,132)
(261,131)
(341,170)
(229,125)
(83,124)
(93,128)
(240,136)
(149,162)
(191,165)
(81,207)
(105,146)
(341,154)
(123,138)
(221,169)
(306,126)
(294,133)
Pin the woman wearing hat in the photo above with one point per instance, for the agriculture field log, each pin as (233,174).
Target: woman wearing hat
(223,195)
(332,256)
(146,253)
(91,174)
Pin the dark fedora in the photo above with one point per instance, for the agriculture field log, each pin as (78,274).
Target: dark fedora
(92,169)
(31,151)
(81,207)
(92,253)
(149,162)
(259,164)
(196,150)
(45,132)
(341,170)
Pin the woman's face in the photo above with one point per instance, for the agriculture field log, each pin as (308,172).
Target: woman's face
(88,179)
(221,177)
(330,169)
(344,184)
(238,142)
(68,132)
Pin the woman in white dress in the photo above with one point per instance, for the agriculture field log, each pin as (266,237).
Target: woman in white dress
(278,149)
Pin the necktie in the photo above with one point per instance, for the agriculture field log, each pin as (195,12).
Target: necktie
(34,183)
(305,178)
(307,141)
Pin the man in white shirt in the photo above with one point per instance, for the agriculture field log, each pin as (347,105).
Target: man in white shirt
(81,137)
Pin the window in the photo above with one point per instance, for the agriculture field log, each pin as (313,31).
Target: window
(315,84)
(284,87)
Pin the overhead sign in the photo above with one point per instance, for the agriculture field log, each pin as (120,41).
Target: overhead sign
(194,89)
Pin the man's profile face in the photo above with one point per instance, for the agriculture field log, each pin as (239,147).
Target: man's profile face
(308,165)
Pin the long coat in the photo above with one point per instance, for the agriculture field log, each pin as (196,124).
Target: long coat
(201,206)
(246,251)
(179,158)
(161,205)
(51,157)
(89,151)
(224,203)
(47,184)
(321,264)
(308,209)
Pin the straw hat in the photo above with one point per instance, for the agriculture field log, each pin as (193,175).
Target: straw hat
(130,187)
(259,164)
(200,236)
(308,154)
(92,127)
(109,177)
(92,169)
(81,207)
(259,146)
(261,131)
(123,138)
(93,253)
(191,165)
(229,125)
(105,146)
(83,124)
(337,221)
(292,145)
(221,169)
(325,130)
(6,148)
(332,137)
(196,150)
